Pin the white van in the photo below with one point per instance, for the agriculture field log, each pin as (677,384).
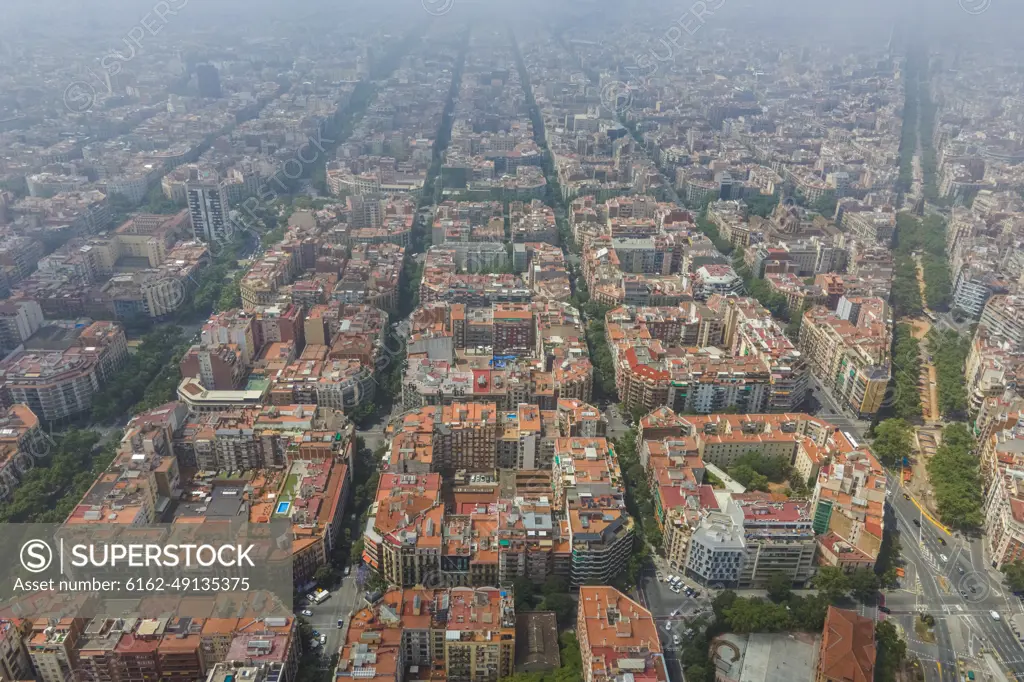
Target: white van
(995,616)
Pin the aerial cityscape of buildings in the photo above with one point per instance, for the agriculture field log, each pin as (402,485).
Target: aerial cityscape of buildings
(615,344)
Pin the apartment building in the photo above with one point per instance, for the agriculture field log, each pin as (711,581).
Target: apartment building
(57,378)
(533,222)
(572,524)
(716,279)
(19,320)
(848,351)
(220,367)
(20,438)
(874,224)
(848,503)
(52,647)
(745,540)
(1003,316)
(588,485)
(750,330)
(262,437)
(1002,459)
(406,515)
(617,637)
(209,210)
(976,282)
(462,634)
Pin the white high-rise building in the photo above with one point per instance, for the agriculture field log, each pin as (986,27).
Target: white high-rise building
(209,209)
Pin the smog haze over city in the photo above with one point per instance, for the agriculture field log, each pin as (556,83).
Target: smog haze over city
(532,341)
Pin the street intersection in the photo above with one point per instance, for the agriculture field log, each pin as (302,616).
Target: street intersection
(948,577)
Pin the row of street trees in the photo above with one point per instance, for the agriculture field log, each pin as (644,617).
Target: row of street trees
(906,373)
(956,479)
(949,354)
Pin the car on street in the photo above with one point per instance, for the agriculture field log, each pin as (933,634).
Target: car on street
(942,541)
(960,570)
(323,639)
(944,558)
(676,639)
(995,616)
(906,496)
(307,613)
(885,609)
(916,522)
(316,633)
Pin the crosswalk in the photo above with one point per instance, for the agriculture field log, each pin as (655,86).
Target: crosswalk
(929,558)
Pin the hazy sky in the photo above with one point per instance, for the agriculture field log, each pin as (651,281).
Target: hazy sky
(989,21)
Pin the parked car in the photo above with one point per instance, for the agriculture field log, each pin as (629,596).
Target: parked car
(323,639)
(885,609)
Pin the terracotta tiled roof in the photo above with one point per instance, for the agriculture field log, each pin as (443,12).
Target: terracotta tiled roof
(848,647)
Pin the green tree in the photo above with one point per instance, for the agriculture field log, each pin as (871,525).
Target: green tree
(562,605)
(864,584)
(554,585)
(892,651)
(756,615)
(949,354)
(780,588)
(1013,574)
(826,205)
(748,477)
(523,588)
(356,553)
(894,439)
(722,602)
(956,480)
(775,469)
(325,575)
(808,613)
(832,582)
